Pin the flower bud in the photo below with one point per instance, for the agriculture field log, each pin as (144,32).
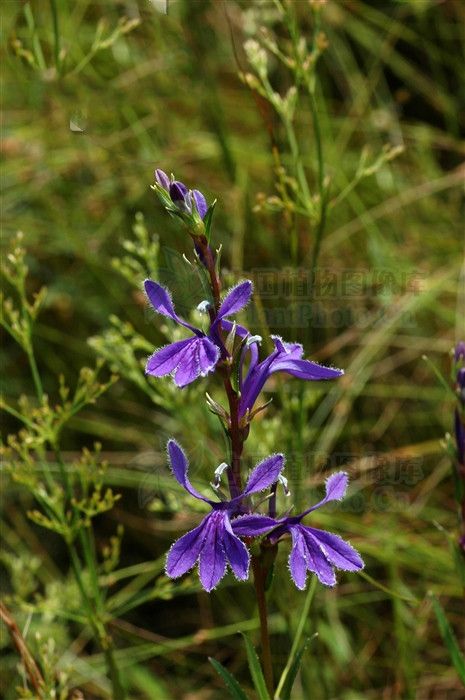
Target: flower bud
(162,179)
(189,205)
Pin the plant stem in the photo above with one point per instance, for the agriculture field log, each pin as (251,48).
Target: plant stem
(56,34)
(298,164)
(308,79)
(93,603)
(35,374)
(201,244)
(322,190)
(30,666)
(260,576)
(237,439)
(16,414)
(235,433)
(39,56)
(317,245)
(99,628)
(237,442)
(298,634)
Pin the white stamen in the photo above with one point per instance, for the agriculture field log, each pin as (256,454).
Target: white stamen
(218,474)
(253,339)
(203,306)
(284,483)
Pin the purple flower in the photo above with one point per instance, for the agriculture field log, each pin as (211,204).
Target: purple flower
(459,353)
(186,201)
(314,550)
(213,543)
(198,355)
(286,357)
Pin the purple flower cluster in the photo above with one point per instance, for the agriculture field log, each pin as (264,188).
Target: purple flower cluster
(225,347)
(216,541)
(199,354)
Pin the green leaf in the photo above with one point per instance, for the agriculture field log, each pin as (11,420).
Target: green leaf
(293,671)
(256,670)
(208,220)
(441,380)
(230,682)
(448,636)
(146,681)
(236,368)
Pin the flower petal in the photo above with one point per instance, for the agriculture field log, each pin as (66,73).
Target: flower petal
(199,358)
(236,299)
(255,381)
(208,355)
(178,191)
(161,300)
(166,359)
(297,560)
(212,563)
(162,178)
(180,465)
(236,553)
(336,550)
(265,474)
(249,359)
(316,560)
(252,525)
(185,551)
(241,331)
(291,350)
(285,358)
(305,369)
(336,487)
(200,203)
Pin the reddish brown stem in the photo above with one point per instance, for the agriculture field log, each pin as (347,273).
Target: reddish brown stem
(237,437)
(201,244)
(235,434)
(19,642)
(233,398)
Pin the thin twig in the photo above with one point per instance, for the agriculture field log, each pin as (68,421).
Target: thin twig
(19,642)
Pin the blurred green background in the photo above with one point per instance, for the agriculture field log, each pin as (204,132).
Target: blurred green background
(84,126)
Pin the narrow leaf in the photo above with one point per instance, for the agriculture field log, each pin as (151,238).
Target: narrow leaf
(208,220)
(293,671)
(298,635)
(236,367)
(230,682)
(449,639)
(256,670)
